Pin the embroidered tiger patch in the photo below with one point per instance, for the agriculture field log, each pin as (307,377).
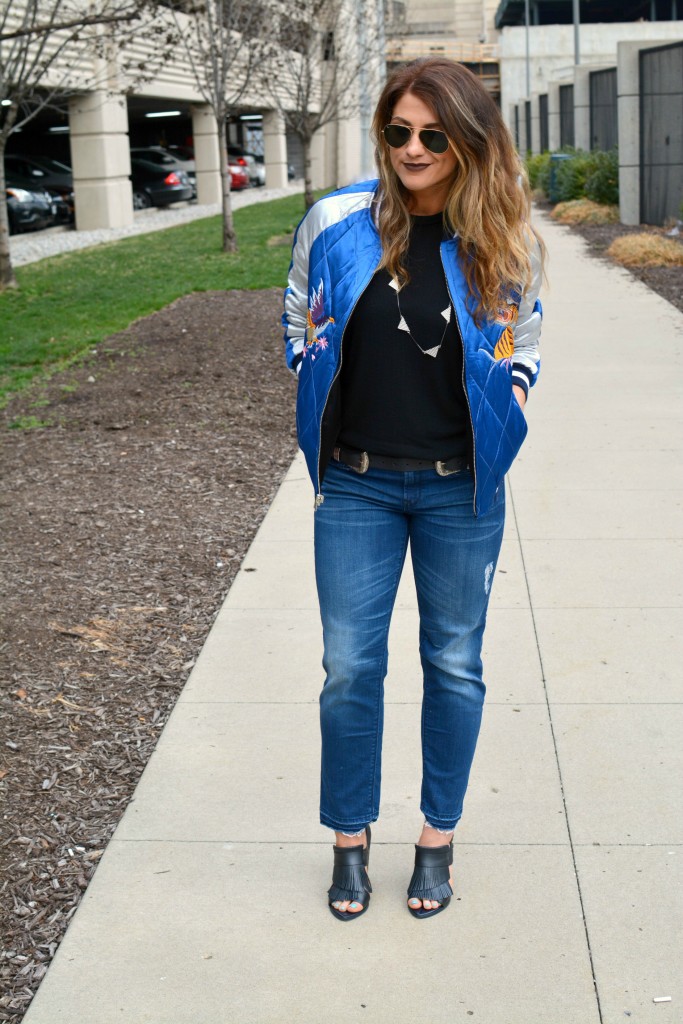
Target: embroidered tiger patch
(505,346)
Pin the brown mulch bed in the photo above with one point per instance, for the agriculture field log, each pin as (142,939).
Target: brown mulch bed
(125,521)
(666,281)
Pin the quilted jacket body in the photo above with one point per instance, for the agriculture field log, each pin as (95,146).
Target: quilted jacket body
(335,255)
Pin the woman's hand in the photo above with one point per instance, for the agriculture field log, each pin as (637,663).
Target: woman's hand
(519,395)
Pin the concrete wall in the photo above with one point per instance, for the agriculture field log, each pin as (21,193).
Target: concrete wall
(554,115)
(552,52)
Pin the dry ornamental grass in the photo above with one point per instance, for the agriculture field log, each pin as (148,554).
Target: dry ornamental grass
(646,250)
(585,211)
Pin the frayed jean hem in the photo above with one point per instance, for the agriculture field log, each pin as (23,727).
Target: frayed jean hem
(348,828)
(440,824)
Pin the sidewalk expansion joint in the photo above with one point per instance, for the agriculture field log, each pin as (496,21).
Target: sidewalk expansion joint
(572,846)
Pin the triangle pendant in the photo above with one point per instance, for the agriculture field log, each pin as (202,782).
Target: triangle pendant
(446,314)
(433,352)
(403,326)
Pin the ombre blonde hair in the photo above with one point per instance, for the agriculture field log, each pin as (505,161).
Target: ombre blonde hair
(488,204)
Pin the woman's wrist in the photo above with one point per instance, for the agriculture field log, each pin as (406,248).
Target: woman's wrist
(520,394)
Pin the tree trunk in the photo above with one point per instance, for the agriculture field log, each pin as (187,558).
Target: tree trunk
(229,236)
(309,198)
(7,278)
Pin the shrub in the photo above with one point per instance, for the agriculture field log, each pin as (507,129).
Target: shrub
(585,211)
(571,176)
(538,169)
(591,175)
(602,181)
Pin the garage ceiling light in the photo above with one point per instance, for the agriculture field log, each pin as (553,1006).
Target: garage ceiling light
(5,103)
(251,117)
(163,113)
(59,128)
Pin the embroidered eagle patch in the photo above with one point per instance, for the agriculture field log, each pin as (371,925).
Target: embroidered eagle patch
(316,323)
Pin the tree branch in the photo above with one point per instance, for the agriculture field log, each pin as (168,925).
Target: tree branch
(47,28)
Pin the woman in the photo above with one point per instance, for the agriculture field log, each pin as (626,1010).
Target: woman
(412,322)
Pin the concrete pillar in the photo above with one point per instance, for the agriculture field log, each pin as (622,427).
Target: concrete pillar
(333,167)
(319,169)
(628,114)
(553,116)
(582,107)
(206,155)
(349,153)
(274,149)
(100,157)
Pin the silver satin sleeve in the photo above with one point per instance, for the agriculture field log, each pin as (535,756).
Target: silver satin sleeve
(296,296)
(326,212)
(527,330)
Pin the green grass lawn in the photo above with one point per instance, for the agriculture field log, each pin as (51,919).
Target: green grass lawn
(67,304)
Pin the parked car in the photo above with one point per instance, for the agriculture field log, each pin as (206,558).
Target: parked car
(157,183)
(238,155)
(28,211)
(171,159)
(43,173)
(239,177)
(260,169)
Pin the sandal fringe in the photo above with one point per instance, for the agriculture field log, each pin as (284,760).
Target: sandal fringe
(429,884)
(430,879)
(349,882)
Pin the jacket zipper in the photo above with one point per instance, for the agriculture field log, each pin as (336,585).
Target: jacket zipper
(464,386)
(319,498)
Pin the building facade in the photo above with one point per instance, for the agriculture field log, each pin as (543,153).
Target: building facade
(463,30)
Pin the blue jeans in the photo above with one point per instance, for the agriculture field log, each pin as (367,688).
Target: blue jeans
(362,531)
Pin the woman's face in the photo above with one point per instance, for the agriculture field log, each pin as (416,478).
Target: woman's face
(427,176)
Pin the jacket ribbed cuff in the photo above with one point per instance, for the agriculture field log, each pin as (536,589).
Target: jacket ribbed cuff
(521,376)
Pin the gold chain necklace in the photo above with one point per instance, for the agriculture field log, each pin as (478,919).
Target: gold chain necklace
(403,323)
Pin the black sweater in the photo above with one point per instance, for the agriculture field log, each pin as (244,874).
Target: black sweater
(394,399)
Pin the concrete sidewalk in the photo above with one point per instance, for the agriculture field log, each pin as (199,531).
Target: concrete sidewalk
(209,904)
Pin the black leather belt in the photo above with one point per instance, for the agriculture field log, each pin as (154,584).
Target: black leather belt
(362,461)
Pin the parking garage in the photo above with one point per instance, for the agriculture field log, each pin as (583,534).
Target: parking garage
(94,136)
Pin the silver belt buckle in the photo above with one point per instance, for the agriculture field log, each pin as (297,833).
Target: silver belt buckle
(440,467)
(364,463)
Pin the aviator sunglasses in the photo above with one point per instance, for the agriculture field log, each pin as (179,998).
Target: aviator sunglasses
(399,135)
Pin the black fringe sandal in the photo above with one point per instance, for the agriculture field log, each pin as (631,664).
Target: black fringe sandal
(350,879)
(430,879)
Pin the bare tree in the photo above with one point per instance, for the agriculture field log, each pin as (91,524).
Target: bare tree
(50,49)
(326,63)
(223,44)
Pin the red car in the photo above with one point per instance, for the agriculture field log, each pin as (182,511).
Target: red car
(239,176)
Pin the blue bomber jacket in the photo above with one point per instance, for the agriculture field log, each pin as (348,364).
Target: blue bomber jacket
(335,255)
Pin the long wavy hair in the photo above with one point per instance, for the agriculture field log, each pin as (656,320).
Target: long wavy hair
(488,204)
